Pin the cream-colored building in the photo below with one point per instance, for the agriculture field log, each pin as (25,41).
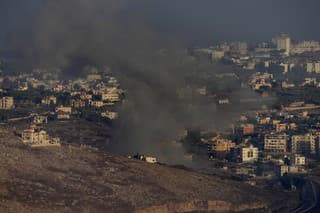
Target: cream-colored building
(113,80)
(313,67)
(285,169)
(112,97)
(96,103)
(298,160)
(6,103)
(285,84)
(151,159)
(110,115)
(63,112)
(38,138)
(217,54)
(222,145)
(49,100)
(65,109)
(305,46)
(281,127)
(249,154)
(304,144)
(275,143)
(283,42)
(285,67)
(111,94)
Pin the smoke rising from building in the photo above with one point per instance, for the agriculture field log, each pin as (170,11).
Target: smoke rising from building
(156,72)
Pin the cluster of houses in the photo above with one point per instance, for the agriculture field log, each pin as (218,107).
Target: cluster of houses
(282,55)
(260,81)
(277,137)
(281,52)
(288,138)
(98,91)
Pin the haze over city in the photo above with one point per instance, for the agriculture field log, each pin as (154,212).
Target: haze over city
(159,106)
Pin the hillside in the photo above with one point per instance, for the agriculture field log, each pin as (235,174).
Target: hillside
(73,179)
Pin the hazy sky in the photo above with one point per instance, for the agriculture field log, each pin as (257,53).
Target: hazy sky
(198,21)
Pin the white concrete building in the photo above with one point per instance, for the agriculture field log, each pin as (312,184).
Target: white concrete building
(249,154)
(298,160)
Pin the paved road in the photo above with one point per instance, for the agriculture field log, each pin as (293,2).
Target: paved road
(311,197)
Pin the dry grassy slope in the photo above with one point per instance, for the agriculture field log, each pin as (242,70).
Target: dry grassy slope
(73,180)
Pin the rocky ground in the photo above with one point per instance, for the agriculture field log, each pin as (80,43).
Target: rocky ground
(74,179)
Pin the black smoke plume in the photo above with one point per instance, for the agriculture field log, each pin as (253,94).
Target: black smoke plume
(157,73)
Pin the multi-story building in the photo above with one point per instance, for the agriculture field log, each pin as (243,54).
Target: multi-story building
(285,169)
(249,154)
(275,143)
(283,42)
(112,97)
(6,103)
(305,46)
(111,94)
(49,100)
(222,145)
(38,138)
(304,144)
(313,67)
(63,112)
